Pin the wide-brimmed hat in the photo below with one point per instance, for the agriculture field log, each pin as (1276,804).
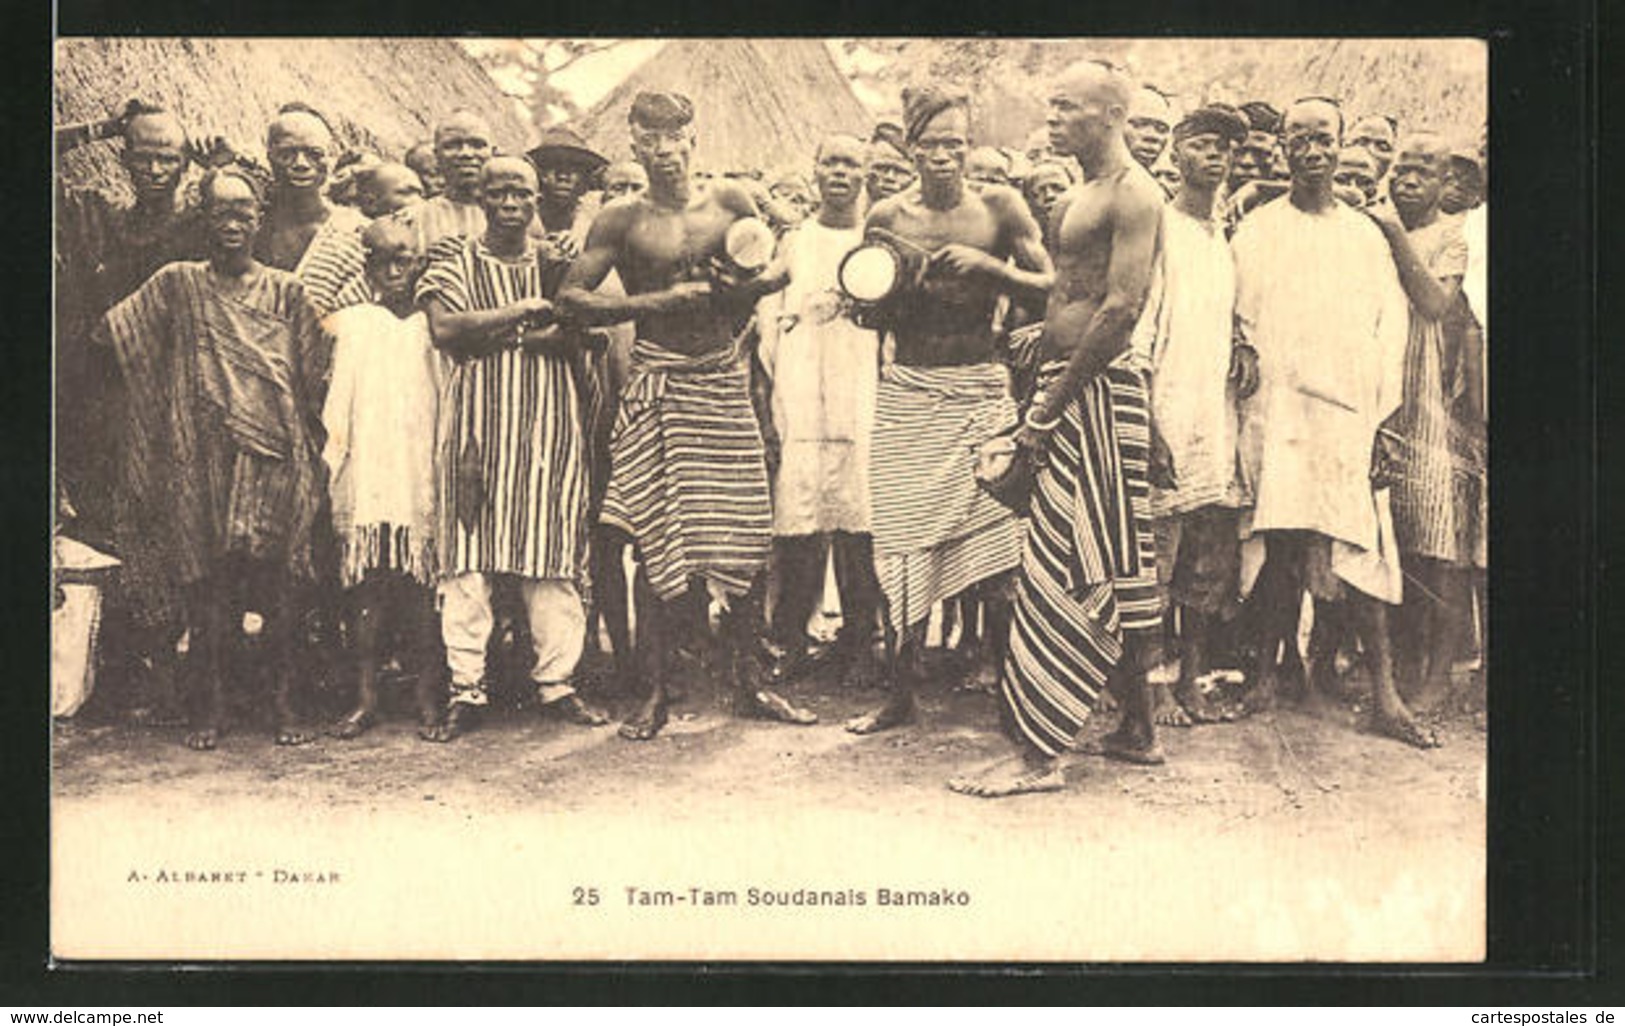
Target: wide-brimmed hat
(562,147)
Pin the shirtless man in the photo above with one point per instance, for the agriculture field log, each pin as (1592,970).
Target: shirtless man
(1087,610)
(936,533)
(688,480)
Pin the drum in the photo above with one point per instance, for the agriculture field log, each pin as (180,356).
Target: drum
(881,269)
(749,245)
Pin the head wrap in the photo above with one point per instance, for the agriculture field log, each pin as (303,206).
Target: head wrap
(1261,117)
(1219,119)
(921,104)
(660,110)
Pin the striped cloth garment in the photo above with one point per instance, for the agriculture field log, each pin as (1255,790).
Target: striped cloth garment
(219,452)
(688,478)
(1435,499)
(333,267)
(1088,571)
(512,480)
(937,533)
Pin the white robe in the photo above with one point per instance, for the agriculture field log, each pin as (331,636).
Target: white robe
(380,418)
(1319,298)
(1183,337)
(825,371)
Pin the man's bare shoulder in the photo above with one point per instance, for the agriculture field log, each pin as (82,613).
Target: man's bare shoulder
(733,197)
(886,211)
(613,219)
(1137,193)
(1003,201)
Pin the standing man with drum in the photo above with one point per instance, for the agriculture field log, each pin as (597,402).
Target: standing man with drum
(688,474)
(935,533)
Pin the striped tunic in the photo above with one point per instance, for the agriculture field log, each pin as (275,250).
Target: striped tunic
(1435,499)
(1088,570)
(220,433)
(434,221)
(688,478)
(936,533)
(511,471)
(334,265)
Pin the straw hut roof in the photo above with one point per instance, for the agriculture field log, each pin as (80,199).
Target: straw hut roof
(759,103)
(381,95)
(1439,84)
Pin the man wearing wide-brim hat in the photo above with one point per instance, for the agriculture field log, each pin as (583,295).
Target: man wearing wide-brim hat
(566,169)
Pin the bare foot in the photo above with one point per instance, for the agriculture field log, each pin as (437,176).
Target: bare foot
(1124,746)
(1402,726)
(290,734)
(203,740)
(647,723)
(1197,706)
(1107,702)
(763,704)
(1012,776)
(353,726)
(573,709)
(460,719)
(899,709)
(1165,711)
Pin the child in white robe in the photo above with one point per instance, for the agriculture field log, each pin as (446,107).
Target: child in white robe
(380,417)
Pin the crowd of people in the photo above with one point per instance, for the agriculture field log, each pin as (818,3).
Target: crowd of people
(337,409)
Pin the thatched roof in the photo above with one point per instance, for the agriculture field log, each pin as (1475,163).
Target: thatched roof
(759,103)
(1439,84)
(382,95)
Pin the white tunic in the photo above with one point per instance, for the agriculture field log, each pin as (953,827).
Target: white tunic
(1318,296)
(1183,337)
(824,370)
(380,418)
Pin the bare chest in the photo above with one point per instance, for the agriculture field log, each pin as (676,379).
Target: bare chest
(969,224)
(664,247)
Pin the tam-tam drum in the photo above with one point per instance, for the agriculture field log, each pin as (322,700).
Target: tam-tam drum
(883,267)
(749,245)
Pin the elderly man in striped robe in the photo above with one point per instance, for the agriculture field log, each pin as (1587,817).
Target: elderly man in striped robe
(223,363)
(688,476)
(512,466)
(1087,611)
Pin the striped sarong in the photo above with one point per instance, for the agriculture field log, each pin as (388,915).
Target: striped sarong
(688,474)
(1088,570)
(936,533)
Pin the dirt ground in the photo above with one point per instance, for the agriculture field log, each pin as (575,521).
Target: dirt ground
(1350,816)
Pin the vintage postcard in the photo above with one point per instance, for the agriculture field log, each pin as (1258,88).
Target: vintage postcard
(894,499)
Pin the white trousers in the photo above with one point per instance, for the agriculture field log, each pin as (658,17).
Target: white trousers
(558,628)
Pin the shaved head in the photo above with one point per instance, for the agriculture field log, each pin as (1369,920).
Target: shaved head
(158,128)
(297,123)
(505,168)
(462,122)
(388,235)
(1091,81)
(1313,109)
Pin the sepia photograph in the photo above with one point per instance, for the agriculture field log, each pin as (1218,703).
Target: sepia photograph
(880,500)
